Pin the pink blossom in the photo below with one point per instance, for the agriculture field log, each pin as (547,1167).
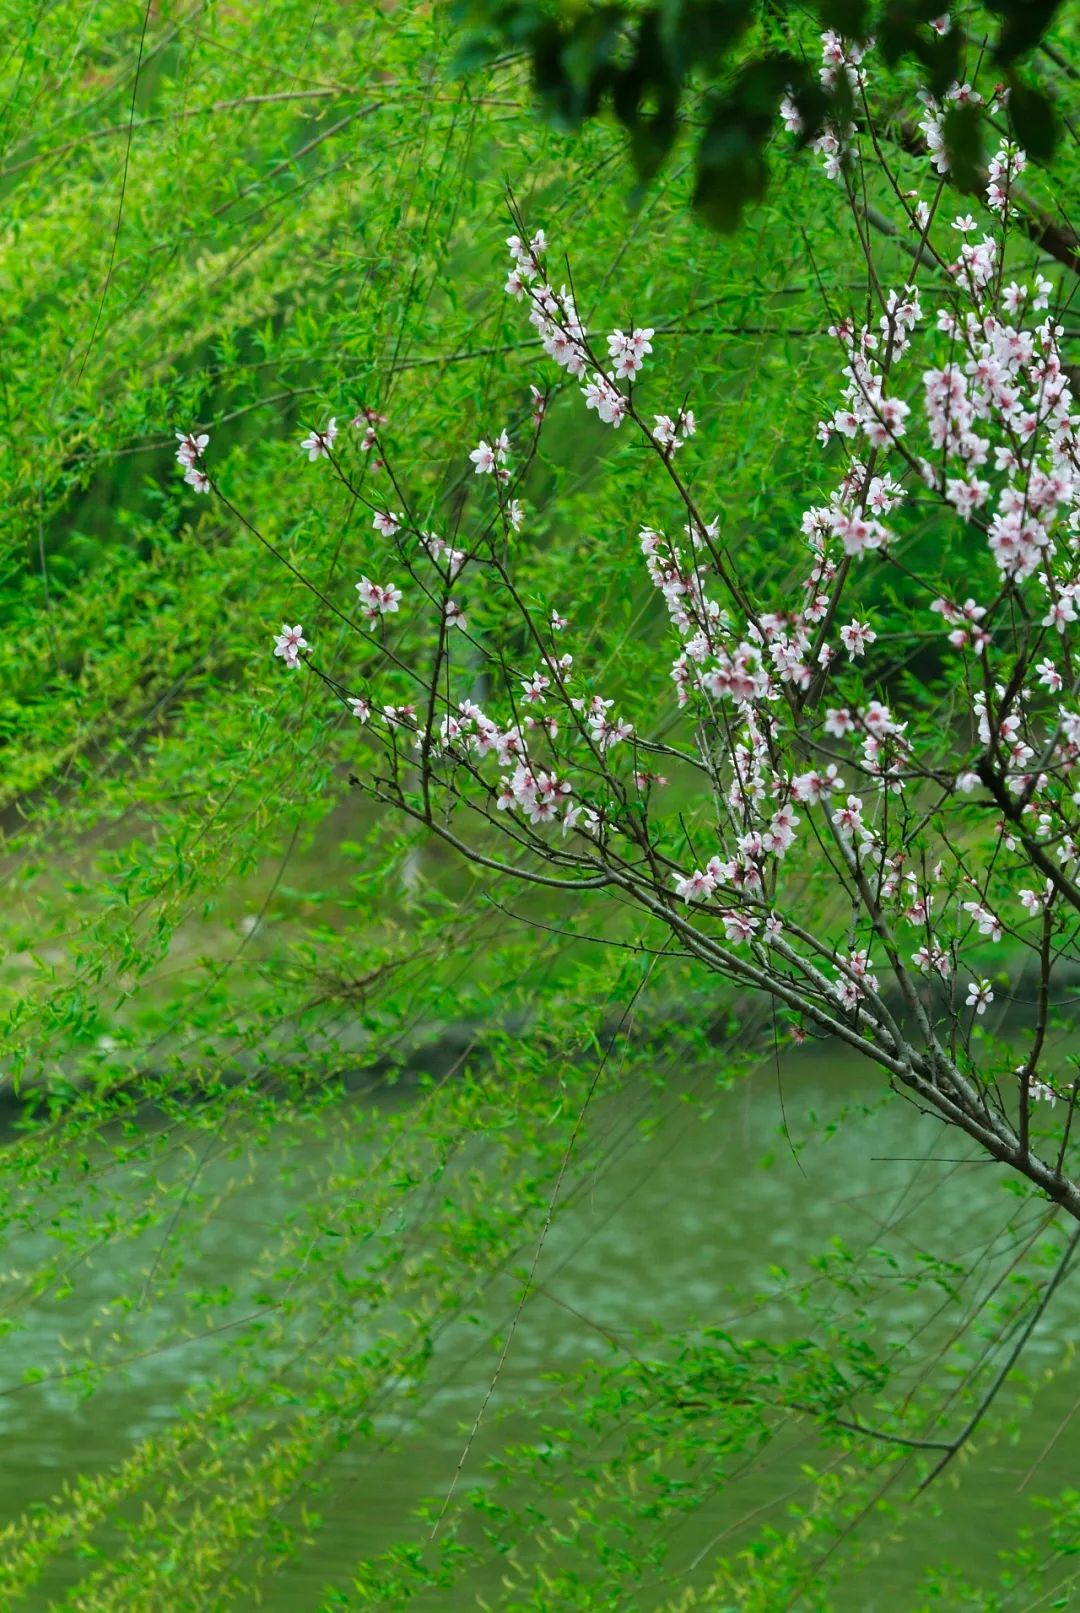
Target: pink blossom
(527,256)
(789,114)
(400,716)
(579,817)
(932,957)
(485,456)
(376,600)
(289,642)
(848,818)
(317,444)
(366,419)
(1040,1091)
(629,351)
(857,534)
(838,721)
(814,786)
(695,887)
(857,965)
(1062,610)
(192,447)
(567,351)
(439,550)
(533,688)
(739,926)
(986,921)
(670,433)
(856,636)
(606,731)
(979,996)
(606,399)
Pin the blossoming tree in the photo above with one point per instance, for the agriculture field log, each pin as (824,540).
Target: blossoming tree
(886,845)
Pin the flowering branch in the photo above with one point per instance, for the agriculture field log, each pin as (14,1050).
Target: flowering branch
(851,813)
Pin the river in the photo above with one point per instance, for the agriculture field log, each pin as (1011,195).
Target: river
(677,1224)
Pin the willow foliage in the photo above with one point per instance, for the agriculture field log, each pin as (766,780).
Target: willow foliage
(304,1128)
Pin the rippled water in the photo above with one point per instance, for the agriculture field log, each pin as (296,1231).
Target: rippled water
(675,1228)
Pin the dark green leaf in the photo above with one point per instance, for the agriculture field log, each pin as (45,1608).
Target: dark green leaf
(1025,24)
(732,174)
(963,143)
(847,17)
(1032,116)
(476,51)
(651,138)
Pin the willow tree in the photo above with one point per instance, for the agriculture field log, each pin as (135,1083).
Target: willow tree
(309,1112)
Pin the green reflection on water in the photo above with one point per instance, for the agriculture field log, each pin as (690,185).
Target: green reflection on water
(674,1226)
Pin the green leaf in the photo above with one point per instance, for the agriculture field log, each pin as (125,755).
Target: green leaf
(731,172)
(1025,25)
(1032,116)
(847,17)
(475,51)
(651,138)
(963,143)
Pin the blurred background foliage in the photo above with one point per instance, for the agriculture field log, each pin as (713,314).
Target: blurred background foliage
(306,1122)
